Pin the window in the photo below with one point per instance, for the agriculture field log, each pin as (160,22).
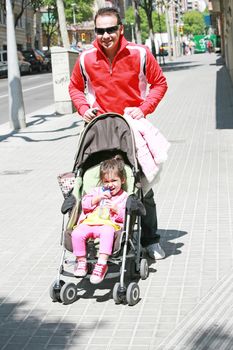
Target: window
(2,16)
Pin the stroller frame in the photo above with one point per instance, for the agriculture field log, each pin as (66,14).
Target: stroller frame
(133,258)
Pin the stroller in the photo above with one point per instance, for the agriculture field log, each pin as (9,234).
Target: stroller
(104,137)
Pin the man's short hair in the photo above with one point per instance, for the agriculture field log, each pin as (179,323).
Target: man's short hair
(110,11)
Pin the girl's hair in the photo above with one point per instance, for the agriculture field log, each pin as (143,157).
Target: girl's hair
(109,11)
(115,165)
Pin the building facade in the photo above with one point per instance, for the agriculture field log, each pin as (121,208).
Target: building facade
(222,11)
(28,30)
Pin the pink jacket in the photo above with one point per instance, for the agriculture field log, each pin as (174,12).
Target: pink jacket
(119,199)
(151,146)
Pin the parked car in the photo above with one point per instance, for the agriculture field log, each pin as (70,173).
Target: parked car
(24,67)
(37,59)
(3,69)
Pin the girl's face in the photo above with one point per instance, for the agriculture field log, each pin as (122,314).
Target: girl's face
(113,182)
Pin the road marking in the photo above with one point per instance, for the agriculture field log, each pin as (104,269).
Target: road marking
(29,89)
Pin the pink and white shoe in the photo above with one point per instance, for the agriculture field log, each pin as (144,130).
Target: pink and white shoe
(80,268)
(98,273)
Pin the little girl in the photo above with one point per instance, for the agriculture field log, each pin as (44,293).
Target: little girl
(92,225)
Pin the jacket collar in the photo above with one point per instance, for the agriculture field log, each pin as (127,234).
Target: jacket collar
(123,44)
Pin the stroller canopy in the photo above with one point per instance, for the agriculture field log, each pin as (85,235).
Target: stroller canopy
(105,135)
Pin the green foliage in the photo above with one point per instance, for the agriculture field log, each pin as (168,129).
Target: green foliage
(83,9)
(194,23)
(159,22)
(130,18)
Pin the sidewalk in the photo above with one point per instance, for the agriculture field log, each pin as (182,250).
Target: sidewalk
(186,303)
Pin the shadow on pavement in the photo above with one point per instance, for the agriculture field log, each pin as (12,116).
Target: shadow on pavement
(169,247)
(214,337)
(40,120)
(173,66)
(19,330)
(224,99)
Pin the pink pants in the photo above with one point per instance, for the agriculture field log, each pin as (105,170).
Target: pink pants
(83,232)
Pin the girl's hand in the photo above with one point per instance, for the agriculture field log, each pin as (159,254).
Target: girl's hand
(104,195)
(113,207)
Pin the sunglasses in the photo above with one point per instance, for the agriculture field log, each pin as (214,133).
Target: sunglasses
(109,30)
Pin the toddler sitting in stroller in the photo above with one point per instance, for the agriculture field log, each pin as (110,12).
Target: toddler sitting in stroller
(96,222)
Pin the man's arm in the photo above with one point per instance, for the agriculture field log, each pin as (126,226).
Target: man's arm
(76,90)
(158,85)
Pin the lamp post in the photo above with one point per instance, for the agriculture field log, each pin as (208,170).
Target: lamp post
(160,32)
(132,32)
(74,23)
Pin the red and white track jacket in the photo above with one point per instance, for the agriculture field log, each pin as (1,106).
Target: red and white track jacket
(95,82)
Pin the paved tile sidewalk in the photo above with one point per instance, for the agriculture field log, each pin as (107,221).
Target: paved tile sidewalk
(194,198)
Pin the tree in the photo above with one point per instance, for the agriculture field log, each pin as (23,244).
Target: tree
(50,24)
(130,18)
(137,21)
(194,23)
(83,10)
(147,6)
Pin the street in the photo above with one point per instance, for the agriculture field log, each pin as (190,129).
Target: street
(37,93)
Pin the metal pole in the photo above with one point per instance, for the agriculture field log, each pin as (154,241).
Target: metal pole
(74,23)
(16,104)
(168,31)
(160,31)
(132,33)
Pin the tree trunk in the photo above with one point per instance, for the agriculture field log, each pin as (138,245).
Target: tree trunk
(62,23)
(151,33)
(137,22)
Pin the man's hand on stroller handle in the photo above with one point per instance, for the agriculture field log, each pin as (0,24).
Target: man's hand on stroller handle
(90,114)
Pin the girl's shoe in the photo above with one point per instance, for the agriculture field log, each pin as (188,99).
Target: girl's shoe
(98,273)
(80,268)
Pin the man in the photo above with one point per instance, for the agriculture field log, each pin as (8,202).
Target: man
(113,77)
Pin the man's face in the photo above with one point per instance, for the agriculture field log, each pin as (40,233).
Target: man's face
(109,41)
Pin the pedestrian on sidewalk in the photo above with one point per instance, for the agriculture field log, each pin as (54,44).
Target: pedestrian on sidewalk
(101,222)
(113,77)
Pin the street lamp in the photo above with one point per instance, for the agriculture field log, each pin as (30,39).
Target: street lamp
(132,32)
(74,23)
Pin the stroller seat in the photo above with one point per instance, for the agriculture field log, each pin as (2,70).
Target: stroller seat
(89,181)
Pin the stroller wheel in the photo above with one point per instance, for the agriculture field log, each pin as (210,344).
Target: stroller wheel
(54,290)
(116,294)
(68,293)
(132,294)
(144,269)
